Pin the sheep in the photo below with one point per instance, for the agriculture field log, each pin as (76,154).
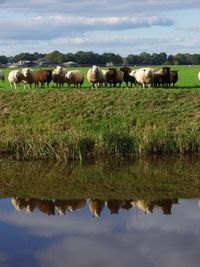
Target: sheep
(58,76)
(15,78)
(127,78)
(162,76)
(29,77)
(95,76)
(173,76)
(75,77)
(143,76)
(27,204)
(42,77)
(144,205)
(114,76)
(199,75)
(104,78)
(115,205)
(96,206)
(2,76)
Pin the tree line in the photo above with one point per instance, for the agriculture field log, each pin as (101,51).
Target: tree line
(88,58)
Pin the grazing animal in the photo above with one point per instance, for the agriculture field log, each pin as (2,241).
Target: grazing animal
(29,77)
(199,75)
(114,77)
(76,204)
(75,77)
(58,76)
(42,77)
(61,206)
(104,82)
(162,76)
(127,204)
(127,78)
(144,205)
(143,76)
(166,205)
(96,206)
(173,77)
(69,205)
(95,76)
(2,76)
(15,78)
(115,205)
(28,204)
(46,206)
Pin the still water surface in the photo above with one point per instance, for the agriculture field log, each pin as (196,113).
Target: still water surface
(101,213)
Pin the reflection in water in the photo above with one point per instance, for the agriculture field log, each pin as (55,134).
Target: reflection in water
(96,206)
(138,192)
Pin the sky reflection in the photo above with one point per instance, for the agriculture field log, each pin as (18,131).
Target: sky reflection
(131,238)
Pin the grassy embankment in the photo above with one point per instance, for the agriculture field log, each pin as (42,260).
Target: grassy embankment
(154,179)
(71,123)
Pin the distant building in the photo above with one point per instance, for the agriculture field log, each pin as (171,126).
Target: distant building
(42,62)
(25,63)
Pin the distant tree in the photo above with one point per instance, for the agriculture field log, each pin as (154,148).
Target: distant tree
(27,56)
(3,60)
(133,59)
(170,59)
(111,57)
(55,57)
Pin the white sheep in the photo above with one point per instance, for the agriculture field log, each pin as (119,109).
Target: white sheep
(95,76)
(58,76)
(143,76)
(15,78)
(28,77)
(199,75)
(75,77)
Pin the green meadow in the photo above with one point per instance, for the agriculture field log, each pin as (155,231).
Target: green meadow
(72,123)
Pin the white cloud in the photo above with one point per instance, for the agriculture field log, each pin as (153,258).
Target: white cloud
(50,27)
(69,26)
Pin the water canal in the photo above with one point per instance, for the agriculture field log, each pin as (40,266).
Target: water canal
(113,212)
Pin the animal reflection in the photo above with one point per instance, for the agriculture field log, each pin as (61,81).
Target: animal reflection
(96,206)
(69,205)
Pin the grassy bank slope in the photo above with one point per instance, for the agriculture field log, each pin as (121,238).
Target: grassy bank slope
(64,124)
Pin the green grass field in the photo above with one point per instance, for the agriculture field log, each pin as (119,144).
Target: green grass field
(187,77)
(73,124)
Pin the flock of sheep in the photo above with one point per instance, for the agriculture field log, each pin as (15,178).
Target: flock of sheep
(96,206)
(96,76)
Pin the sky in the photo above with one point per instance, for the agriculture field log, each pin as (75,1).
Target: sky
(116,26)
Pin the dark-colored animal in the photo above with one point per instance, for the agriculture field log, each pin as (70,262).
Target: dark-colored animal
(115,205)
(166,205)
(162,77)
(27,204)
(127,78)
(2,76)
(174,77)
(46,206)
(114,77)
(42,77)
